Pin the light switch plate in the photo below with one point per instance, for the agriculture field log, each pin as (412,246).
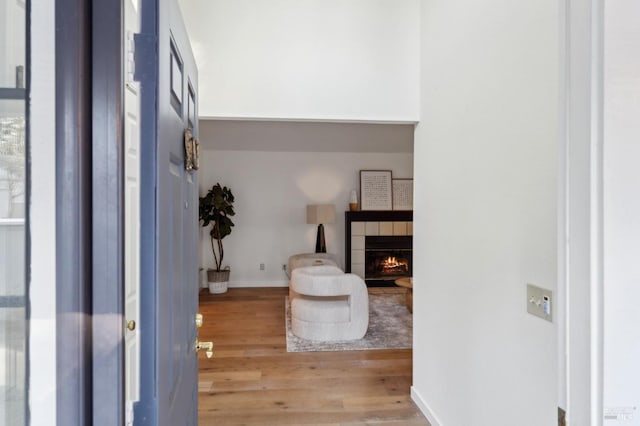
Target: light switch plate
(540,302)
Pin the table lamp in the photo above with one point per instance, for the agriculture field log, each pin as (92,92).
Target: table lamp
(320,214)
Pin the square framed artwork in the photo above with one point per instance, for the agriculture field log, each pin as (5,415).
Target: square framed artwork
(376,191)
(403,194)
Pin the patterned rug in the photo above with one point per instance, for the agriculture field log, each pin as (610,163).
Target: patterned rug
(390,327)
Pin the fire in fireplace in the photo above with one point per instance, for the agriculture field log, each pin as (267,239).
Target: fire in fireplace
(387,259)
(394,266)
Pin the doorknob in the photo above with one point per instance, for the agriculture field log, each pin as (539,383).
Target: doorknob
(206,346)
(131,325)
(199,320)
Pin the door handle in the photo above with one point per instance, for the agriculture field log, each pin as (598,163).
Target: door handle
(205,346)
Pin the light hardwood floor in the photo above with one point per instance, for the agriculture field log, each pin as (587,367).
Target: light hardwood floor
(252,380)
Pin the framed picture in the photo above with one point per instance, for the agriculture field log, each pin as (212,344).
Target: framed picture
(403,194)
(376,190)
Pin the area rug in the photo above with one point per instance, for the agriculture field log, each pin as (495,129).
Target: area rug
(390,327)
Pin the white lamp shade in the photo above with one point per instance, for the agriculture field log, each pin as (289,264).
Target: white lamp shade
(321,213)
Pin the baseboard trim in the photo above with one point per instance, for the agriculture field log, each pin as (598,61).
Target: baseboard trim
(246,284)
(424,407)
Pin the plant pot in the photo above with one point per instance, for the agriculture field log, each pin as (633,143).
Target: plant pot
(218,280)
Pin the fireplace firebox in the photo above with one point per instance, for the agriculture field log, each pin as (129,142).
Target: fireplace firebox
(387,258)
(386,237)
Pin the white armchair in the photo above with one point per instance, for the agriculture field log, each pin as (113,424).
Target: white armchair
(312,259)
(327,304)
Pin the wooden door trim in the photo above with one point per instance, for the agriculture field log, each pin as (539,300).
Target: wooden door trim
(108,212)
(146,59)
(73,213)
(89,211)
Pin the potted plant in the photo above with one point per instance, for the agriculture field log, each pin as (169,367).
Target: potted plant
(215,209)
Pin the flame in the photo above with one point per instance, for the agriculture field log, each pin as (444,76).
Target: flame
(392,265)
(391,262)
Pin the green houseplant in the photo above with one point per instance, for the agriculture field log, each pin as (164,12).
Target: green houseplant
(215,209)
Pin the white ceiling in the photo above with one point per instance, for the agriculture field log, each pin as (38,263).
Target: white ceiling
(287,136)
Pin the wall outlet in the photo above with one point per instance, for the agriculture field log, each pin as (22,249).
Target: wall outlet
(540,302)
(262,266)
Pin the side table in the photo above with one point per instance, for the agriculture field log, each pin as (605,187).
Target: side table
(407,282)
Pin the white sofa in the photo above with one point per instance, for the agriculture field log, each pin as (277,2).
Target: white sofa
(327,304)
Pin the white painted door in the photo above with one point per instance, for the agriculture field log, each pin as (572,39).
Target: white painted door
(132,213)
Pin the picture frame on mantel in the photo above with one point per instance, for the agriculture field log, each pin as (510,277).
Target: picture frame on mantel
(376,190)
(403,194)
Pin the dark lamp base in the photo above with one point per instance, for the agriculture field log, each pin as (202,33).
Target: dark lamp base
(321,246)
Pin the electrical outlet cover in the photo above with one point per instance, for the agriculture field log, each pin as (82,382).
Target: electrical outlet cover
(540,302)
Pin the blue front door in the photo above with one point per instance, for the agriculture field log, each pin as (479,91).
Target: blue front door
(169,266)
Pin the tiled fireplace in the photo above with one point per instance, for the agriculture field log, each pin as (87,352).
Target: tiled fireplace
(378,245)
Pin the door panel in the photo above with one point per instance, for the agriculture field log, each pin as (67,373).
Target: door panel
(132,237)
(132,213)
(169,280)
(177,226)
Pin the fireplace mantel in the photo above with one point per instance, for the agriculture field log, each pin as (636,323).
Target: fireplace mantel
(378,216)
(359,224)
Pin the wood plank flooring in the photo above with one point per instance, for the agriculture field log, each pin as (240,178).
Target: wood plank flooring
(252,380)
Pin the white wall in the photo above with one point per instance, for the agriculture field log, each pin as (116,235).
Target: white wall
(271,192)
(42,333)
(311,59)
(621,211)
(579,213)
(485,212)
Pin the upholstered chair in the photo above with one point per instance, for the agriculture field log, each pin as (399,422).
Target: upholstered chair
(312,259)
(327,304)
